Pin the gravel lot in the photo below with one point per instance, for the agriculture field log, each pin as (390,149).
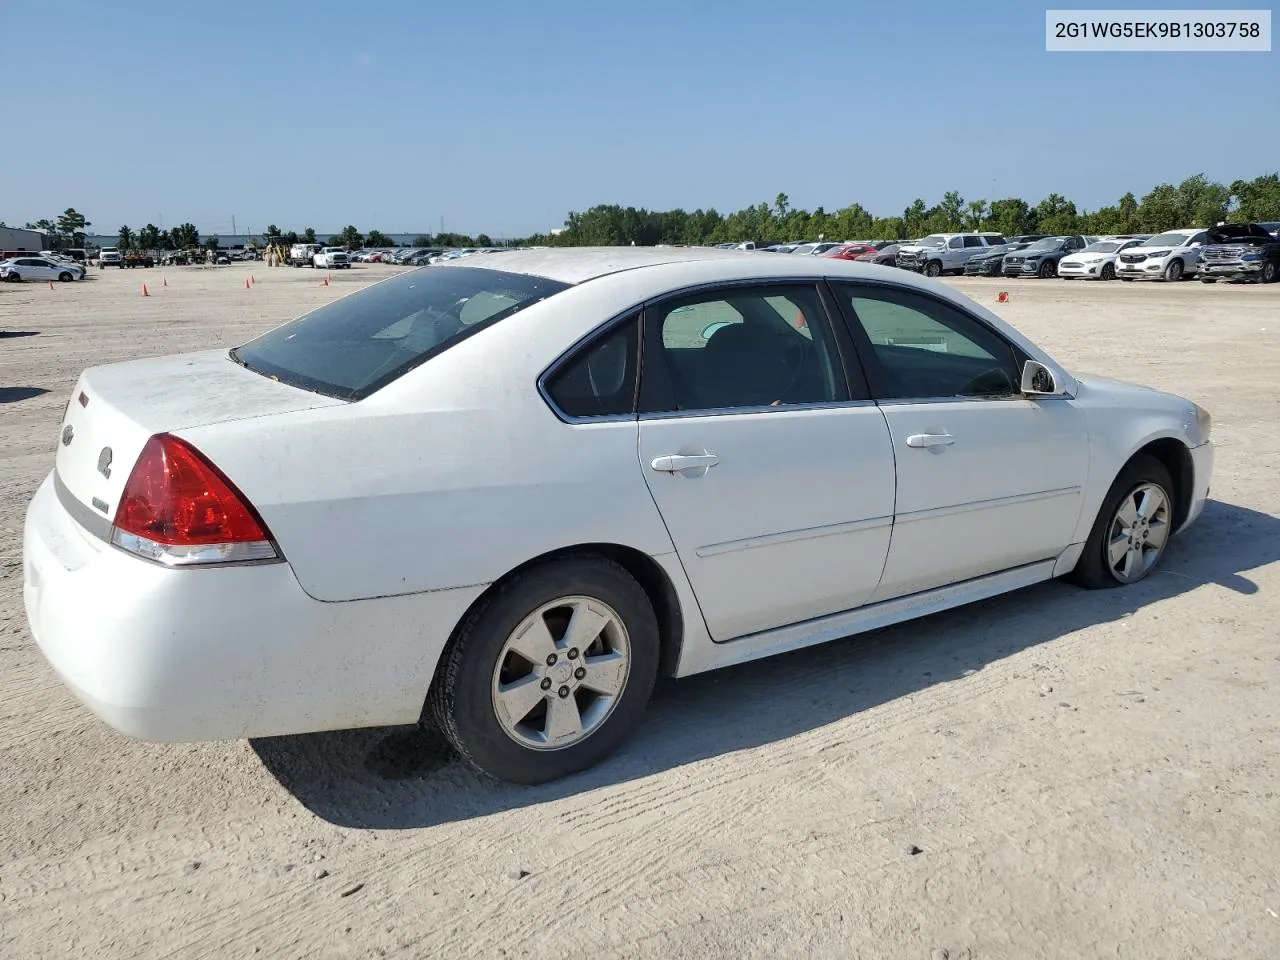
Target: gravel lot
(1054,773)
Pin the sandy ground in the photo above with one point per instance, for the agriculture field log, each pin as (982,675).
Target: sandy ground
(1055,773)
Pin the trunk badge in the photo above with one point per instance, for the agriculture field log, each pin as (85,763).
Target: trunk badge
(104,462)
(100,504)
(68,434)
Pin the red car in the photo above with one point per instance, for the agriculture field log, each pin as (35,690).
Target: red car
(850,251)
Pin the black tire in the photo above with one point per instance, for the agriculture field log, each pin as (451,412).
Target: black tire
(460,700)
(933,269)
(1270,272)
(1093,571)
(64,276)
(1126,279)
(1048,270)
(1108,272)
(1174,271)
(1208,279)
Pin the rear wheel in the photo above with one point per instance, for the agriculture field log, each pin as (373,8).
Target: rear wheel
(549,674)
(1132,529)
(1108,271)
(1269,272)
(1173,272)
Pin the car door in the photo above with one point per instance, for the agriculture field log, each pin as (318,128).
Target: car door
(36,268)
(769,463)
(988,479)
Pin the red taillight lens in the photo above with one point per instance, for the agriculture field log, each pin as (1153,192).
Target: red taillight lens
(186,510)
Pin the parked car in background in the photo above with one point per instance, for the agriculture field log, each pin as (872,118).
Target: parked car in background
(1240,251)
(1271,226)
(991,263)
(885,256)
(1097,261)
(110,257)
(331,258)
(270,507)
(1040,259)
(941,253)
(849,251)
(17,269)
(1170,256)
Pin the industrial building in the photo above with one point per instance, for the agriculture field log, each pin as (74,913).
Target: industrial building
(24,240)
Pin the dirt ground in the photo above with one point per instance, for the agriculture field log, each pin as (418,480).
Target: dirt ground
(1055,773)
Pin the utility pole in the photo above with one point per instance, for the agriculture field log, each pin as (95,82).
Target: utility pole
(233,224)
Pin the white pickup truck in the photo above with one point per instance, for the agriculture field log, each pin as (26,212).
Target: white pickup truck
(331,258)
(303,254)
(109,257)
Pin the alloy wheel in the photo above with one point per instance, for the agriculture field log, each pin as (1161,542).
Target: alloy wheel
(1138,533)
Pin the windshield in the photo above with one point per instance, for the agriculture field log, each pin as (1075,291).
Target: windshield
(933,240)
(1048,243)
(354,346)
(1166,240)
(1103,246)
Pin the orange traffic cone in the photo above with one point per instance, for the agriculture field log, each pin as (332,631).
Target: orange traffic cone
(50,284)
(164,281)
(1002,297)
(246,283)
(251,280)
(324,282)
(144,291)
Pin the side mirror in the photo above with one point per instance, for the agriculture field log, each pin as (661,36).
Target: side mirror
(1037,379)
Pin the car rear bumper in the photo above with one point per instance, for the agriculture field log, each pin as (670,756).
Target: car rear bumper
(221,653)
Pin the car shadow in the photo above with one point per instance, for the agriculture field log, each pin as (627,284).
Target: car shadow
(13,334)
(15,394)
(405,777)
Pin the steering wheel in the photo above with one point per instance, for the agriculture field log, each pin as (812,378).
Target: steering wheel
(991,381)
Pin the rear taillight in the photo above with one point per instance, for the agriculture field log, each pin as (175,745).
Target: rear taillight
(179,509)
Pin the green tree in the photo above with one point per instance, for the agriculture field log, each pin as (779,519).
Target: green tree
(782,203)
(211,242)
(376,238)
(272,230)
(71,225)
(482,240)
(1257,199)
(1011,217)
(1201,203)
(1161,209)
(423,240)
(308,235)
(975,217)
(149,237)
(951,211)
(124,238)
(1055,214)
(350,237)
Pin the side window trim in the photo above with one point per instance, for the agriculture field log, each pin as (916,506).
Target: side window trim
(866,351)
(580,347)
(656,395)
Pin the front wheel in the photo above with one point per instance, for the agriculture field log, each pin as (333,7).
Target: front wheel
(551,673)
(1173,272)
(1208,279)
(64,276)
(1048,270)
(933,269)
(1270,271)
(1108,272)
(1132,529)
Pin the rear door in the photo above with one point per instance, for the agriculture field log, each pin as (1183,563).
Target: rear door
(987,479)
(770,465)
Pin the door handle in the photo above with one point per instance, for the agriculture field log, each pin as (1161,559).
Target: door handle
(930,440)
(676,462)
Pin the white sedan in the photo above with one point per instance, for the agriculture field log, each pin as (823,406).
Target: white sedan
(1097,261)
(21,268)
(461,488)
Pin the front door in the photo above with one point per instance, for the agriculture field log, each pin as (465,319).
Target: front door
(771,467)
(987,479)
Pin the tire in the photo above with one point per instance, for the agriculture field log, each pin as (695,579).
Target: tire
(1048,270)
(1108,272)
(933,269)
(1126,279)
(463,697)
(64,277)
(1270,272)
(1208,279)
(1174,271)
(1095,570)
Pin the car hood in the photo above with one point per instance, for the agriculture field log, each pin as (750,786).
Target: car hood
(1152,251)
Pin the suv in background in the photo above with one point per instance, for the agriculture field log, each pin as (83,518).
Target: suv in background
(1040,259)
(1171,256)
(1240,251)
(941,253)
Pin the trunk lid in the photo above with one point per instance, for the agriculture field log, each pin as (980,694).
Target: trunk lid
(113,410)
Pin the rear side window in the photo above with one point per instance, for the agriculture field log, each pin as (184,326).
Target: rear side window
(973,241)
(354,346)
(600,381)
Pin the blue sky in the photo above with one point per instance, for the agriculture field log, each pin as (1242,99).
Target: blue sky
(502,116)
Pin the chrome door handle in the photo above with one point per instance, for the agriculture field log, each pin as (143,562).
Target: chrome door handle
(675,462)
(930,440)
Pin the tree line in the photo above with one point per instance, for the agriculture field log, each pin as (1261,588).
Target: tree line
(1195,202)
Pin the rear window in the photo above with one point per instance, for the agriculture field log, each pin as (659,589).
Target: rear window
(354,346)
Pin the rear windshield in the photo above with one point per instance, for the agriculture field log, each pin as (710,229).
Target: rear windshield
(354,346)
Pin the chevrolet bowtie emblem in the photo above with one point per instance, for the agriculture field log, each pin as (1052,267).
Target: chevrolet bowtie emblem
(104,462)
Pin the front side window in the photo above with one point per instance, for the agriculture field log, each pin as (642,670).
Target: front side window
(747,347)
(354,346)
(600,380)
(925,349)
(955,243)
